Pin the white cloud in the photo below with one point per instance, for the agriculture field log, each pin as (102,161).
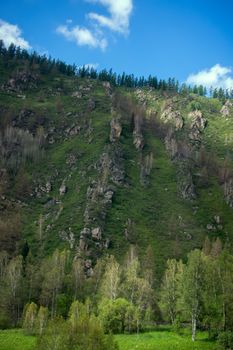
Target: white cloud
(11,33)
(120,12)
(217,76)
(91,65)
(82,36)
(117,21)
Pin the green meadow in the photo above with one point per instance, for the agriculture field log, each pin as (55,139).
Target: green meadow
(155,340)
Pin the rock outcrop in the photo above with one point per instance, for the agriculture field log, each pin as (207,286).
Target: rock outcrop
(21,81)
(171,145)
(138,139)
(185,180)
(225,110)
(198,124)
(146,167)
(62,189)
(108,88)
(99,199)
(198,121)
(116,129)
(228,192)
(169,115)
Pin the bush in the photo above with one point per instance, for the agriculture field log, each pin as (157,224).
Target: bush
(4,320)
(176,326)
(119,316)
(81,331)
(225,340)
(195,105)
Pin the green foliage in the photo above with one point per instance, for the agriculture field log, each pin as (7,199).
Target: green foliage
(55,336)
(30,314)
(62,140)
(171,290)
(225,340)
(81,331)
(42,320)
(195,105)
(118,315)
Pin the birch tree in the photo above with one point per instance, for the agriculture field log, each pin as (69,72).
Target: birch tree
(13,281)
(193,287)
(111,279)
(30,315)
(170,289)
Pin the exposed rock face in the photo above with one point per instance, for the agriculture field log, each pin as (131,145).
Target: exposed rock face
(108,88)
(48,186)
(21,120)
(217,219)
(198,121)
(99,199)
(96,233)
(146,167)
(171,145)
(88,268)
(216,225)
(43,188)
(145,95)
(225,110)
(138,139)
(116,129)
(83,240)
(110,165)
(91,105)
(68,237)
(108,196)
(62,189)
(73,130)
(71,160)
(197,126)
(228,192)
(77,94)
(185,180)
(117,172)
(174,117)
(21,81)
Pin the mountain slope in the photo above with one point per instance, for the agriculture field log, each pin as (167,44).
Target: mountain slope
(96,168)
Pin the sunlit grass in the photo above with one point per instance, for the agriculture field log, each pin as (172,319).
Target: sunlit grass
(156,340)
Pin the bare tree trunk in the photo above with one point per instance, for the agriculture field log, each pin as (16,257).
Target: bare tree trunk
(194,327)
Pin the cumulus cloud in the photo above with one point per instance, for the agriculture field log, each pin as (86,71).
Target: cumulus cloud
(120,12)
(82,36)
(91,65)
(94,36)
(216,77)
(11,33)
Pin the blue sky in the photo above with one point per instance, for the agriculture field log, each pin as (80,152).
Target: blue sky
(188,39)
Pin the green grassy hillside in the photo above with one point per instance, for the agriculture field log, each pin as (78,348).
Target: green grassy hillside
(170,191)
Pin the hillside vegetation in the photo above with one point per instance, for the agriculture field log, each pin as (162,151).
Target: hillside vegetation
(121,174)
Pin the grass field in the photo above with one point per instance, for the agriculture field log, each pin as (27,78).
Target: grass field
(164,340)
(16,340)
(156,340)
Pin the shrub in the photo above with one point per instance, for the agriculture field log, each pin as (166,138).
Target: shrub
(119,316)
(225,340)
